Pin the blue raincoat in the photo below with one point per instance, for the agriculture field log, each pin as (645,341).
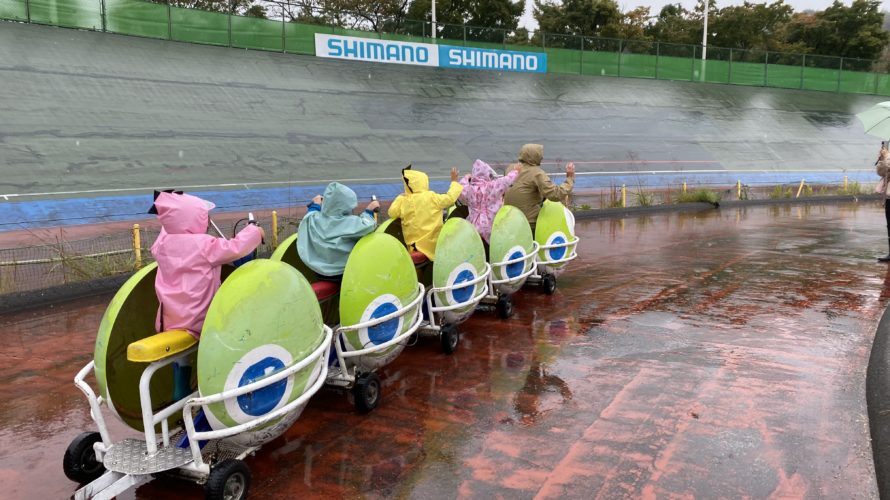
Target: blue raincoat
(327,233)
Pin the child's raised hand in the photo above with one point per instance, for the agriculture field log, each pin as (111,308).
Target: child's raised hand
(373,205)
(454,174)
(570,170)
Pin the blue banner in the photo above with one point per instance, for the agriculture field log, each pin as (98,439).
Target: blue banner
(492,59)
(427,54)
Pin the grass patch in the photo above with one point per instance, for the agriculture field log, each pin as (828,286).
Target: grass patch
(780,192)
(852,189)
(699,196)
(645,199)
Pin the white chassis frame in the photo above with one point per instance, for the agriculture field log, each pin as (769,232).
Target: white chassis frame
(113,483)
(346,375)
(494,294)
(538,278)
(435,324)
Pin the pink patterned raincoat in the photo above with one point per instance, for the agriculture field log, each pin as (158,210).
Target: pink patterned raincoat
(484,194)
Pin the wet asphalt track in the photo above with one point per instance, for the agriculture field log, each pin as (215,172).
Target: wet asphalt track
(712,354)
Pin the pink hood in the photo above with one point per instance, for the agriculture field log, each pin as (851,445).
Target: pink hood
(189,260)
(484,194)
(183,213)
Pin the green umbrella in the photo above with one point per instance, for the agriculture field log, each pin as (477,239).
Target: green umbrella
(877,120)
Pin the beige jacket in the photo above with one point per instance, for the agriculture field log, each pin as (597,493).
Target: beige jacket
(533,186)
(883,170)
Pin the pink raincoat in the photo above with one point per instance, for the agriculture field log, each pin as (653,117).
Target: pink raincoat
(189,260)
(484,194)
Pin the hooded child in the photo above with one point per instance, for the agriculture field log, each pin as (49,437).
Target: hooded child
(533,186)
(421,210)
(329,231)
(190,260)
(484,195)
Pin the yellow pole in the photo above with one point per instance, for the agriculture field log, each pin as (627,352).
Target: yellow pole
(623,196)
(274,229)
(684,187)
(799,189)
(845,183)
(738,189)
(137,246)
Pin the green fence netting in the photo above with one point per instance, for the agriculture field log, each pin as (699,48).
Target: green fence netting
(566,54)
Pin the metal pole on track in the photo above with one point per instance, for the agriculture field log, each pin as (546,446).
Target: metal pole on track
(433,8)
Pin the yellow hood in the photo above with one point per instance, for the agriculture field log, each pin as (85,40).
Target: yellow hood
(415,181)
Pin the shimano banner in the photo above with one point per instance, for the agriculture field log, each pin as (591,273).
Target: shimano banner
(501,60)
(427,54)
(373,50)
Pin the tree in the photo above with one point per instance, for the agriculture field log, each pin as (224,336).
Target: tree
(675,24)
(854,31)
(576,17)
(750,26)
(499,14)
(241,7)
(632,25)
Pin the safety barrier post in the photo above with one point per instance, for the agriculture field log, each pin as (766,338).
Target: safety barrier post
(840,70)
(738,189)
(845,183)
(684,187)
(657,53)
(137,246)
(28,10)
(799,189)
(619,57)
(623,196)
(169,23)
(803,64)
(729,73)
(102,14)
(581,58)
(274,229)
(283,33)
(766,70)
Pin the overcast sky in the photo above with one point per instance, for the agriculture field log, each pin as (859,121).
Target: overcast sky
(655,6)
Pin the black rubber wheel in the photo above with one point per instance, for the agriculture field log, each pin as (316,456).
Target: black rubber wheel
(450,338)
(504,306)
(80,464)
(366,392)
(549,283)
(228,481)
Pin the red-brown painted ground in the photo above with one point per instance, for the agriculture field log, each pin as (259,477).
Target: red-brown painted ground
(714,354)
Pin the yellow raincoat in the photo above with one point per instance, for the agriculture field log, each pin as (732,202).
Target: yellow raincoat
(421,211)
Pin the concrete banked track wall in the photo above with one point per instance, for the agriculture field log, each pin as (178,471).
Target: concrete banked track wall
(89,111)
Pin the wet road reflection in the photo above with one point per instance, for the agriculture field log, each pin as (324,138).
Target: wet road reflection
(719,353)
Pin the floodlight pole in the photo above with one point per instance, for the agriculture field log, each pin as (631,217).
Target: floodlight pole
(704,36)
(704,42)
(434,19)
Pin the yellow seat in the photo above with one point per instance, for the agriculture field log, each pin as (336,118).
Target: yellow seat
(160,346)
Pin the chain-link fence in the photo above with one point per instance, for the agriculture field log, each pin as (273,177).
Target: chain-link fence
(289,27)
(64,261)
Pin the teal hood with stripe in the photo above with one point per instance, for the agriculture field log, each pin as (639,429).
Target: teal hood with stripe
(326,238)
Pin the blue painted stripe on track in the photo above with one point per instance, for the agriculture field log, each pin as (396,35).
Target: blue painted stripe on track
(16,215)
